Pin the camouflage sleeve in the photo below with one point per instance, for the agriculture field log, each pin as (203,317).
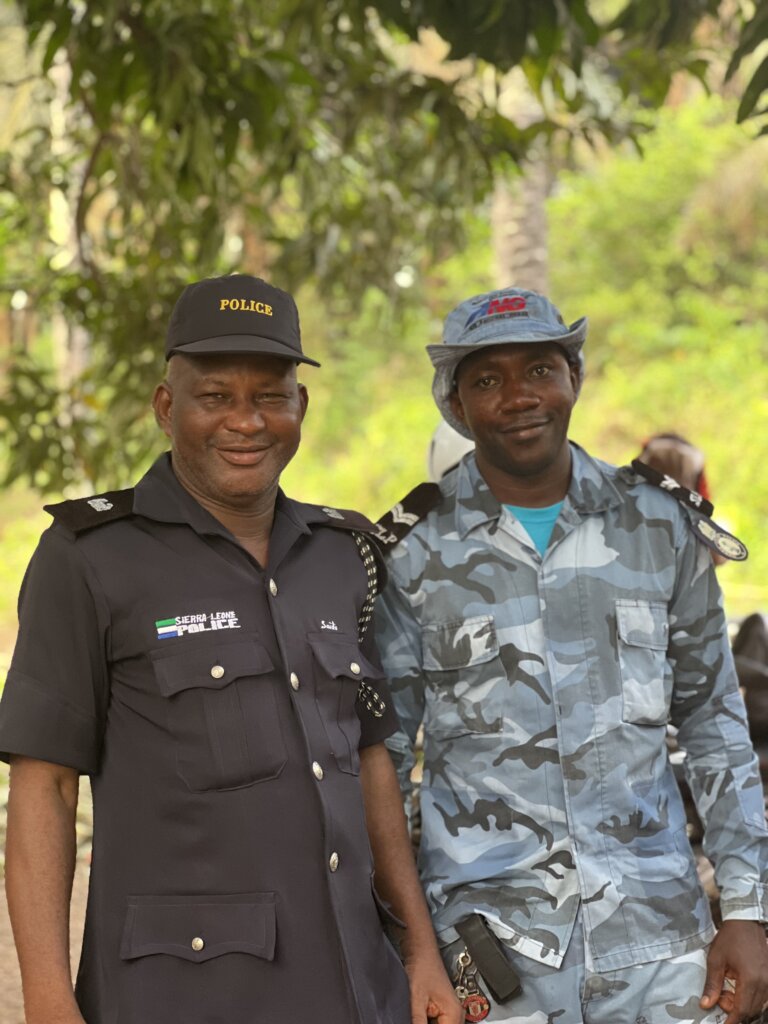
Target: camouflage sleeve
(708,710)
(398,636)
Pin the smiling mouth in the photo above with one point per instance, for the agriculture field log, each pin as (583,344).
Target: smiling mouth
(243,456)
(525,430)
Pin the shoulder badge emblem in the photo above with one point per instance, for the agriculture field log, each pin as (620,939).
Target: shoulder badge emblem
(402,517)
(698,510)
(100,504)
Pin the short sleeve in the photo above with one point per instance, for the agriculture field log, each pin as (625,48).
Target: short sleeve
(373,728)
(54,703)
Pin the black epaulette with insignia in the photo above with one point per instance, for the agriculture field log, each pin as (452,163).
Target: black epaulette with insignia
(340,518)
(402,517)
(699,512)
(81,514)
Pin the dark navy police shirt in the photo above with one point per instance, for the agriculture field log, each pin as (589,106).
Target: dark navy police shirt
(214,705)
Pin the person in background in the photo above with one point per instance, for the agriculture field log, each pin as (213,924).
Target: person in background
(676,457)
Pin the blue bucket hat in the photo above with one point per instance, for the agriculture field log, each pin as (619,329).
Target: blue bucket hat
(500,317)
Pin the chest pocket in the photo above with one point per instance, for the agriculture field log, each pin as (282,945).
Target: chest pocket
(222,713)
(340,667)
(646,678)
(467,681)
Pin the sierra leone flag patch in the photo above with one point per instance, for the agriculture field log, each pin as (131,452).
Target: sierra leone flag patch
(166,628)
(200,622)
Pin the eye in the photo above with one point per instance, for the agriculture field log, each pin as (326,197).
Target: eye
(212,398)
(541,370)
(486,381)
(273,397)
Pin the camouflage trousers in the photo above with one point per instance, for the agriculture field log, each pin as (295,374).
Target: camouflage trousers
(663,992)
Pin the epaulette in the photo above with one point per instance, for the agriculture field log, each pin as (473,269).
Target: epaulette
(402,517)
(698,511)
(339,518)
(81,514)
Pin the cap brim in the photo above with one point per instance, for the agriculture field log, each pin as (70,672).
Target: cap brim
(572,339)
(240,344)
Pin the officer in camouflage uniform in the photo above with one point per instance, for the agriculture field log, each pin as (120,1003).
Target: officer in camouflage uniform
(547,615)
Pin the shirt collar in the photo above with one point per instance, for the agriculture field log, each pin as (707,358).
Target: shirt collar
(591,490)
(160,496)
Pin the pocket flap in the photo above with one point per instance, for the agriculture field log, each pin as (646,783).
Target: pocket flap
(212,666)
(451,645)
(342,657)
(643,624)
(199,928)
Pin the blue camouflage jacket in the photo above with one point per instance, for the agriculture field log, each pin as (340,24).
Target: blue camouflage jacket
(544,686)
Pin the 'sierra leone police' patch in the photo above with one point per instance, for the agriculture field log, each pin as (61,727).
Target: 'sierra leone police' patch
(202,622)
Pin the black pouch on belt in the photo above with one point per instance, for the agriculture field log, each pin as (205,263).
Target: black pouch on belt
(490,959)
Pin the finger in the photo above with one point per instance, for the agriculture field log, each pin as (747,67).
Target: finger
(713,983)
(749,1000)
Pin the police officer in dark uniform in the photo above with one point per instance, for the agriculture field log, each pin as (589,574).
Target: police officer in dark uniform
(200,646)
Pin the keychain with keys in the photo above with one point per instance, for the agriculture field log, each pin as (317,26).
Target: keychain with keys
(468,991)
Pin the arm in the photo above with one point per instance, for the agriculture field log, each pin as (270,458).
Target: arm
(397,882)
(398,638)
(40,861)
(722,772)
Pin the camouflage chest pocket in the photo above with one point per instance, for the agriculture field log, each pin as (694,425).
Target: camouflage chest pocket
(646,678)
(465,677)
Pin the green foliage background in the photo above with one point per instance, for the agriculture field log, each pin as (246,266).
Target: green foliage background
(664,253)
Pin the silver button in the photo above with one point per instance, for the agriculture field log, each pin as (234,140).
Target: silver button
(294,680)
(217,671)
(317,770)
(333,861)
(354,667)
(273,588)
(197,944)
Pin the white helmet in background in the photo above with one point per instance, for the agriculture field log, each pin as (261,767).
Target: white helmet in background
(446,449)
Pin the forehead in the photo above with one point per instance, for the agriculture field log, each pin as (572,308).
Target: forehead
(230,367)
(511,357)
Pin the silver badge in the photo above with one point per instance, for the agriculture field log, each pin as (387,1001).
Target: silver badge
(100,504)
(333,513)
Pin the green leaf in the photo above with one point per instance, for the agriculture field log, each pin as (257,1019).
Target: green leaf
(752,35)
(755,88)
(55,42)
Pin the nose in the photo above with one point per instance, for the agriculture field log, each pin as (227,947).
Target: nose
(519,394)
(245,418)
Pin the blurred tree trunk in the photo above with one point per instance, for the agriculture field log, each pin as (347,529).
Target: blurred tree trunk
(518,207)
(519,228)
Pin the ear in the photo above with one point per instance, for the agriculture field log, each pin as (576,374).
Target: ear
(456,407)
(303,400)
(575,374)
(162,401)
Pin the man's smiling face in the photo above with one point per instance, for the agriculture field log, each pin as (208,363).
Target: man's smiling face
(517,400)
(234,424)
